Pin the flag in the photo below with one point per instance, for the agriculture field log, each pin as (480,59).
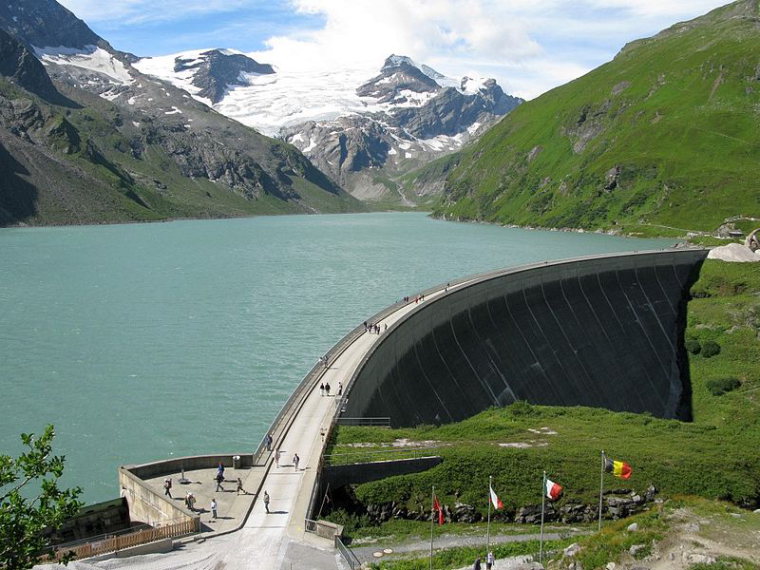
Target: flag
(617,468)
(438,508)
(497,504)
(553,491)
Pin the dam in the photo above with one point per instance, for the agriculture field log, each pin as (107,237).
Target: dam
(602,331)
(595,331)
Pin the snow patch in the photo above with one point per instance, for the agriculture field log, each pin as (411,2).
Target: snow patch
(473,128)
(174,111)
(312,145)
(91,57)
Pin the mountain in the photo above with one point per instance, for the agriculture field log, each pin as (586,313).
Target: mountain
(364,133)
(87,138)
(666,135)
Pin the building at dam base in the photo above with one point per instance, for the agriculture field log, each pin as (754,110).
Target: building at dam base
(604,331)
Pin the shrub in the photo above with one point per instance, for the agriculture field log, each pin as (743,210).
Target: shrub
(710,348)
(693,346)
(722,385)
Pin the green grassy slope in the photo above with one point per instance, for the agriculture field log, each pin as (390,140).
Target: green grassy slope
(713,457)
(666,134)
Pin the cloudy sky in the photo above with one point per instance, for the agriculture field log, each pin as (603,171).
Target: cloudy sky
(529,46)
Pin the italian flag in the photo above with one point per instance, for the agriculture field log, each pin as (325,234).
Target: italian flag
(553,491)
(497,504)
(618,468)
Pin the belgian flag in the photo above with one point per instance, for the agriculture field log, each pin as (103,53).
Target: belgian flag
(617,468)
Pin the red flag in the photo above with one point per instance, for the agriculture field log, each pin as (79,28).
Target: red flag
(437,507)
(553,491)
(497,504)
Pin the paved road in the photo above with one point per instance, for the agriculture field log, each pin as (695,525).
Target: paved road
(277,540)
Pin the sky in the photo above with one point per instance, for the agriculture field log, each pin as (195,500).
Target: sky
(528,46)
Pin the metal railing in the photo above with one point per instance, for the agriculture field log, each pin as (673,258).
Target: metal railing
(348,555)
(374,422)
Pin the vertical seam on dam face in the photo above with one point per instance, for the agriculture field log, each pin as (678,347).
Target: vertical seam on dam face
(602,331)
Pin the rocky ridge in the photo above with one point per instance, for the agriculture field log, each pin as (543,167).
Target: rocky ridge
(425,117)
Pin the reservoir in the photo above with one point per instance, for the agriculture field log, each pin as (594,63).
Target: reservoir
(147,341)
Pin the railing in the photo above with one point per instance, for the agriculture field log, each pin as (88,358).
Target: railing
(374,422)
(348,555)
(379,455)
(112,543)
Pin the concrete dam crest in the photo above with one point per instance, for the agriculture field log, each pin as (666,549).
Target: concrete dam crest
(603,331)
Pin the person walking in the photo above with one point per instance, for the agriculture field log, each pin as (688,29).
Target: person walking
(296,459)
(340,388)
(190,501)
(219,480)
(266,501)
(322,389)
(476,566)
(277,458)
(168,487)
(268,441)
(213,508)
(240,487)
(490,561)
(327,388)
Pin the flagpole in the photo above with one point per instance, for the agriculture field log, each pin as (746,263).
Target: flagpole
(543,505)
(432,523)
(488,528)
(601,487)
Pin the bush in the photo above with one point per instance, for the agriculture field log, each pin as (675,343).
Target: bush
(693,346)
(722,385)
(710,348)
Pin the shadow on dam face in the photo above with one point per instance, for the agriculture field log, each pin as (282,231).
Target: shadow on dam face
(603,331)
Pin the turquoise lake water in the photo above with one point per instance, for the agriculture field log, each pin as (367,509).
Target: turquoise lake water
(147,341)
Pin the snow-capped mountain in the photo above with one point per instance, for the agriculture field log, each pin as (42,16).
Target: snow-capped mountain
(149,148)
(350,124)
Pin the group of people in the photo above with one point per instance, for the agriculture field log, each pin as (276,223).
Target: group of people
(374,328)
(490,562)
(324,389)
(278,456)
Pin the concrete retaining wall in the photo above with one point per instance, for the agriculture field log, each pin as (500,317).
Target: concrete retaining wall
(338,475)
(603,331)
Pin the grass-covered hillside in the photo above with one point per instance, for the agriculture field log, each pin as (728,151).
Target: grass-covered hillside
(715,456)
(667,135)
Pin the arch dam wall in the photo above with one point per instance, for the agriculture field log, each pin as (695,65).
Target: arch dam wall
(602,331)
